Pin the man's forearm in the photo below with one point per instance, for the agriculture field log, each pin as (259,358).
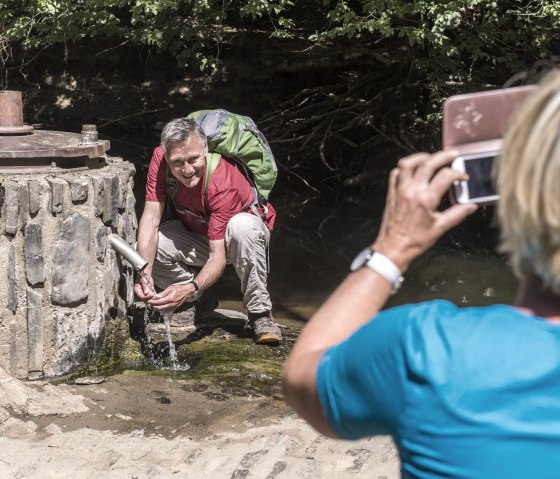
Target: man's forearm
(215,265)
(210,272)
(147,243)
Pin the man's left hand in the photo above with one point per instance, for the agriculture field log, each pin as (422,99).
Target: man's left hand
(173,296)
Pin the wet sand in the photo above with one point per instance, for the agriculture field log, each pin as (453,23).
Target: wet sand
(145,426)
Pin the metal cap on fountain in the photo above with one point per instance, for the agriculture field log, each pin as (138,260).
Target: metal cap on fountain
(24,149)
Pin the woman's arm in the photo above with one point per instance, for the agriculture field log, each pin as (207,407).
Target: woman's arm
(411,225)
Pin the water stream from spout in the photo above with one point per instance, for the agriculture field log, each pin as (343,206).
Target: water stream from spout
(175,366)
(172,351)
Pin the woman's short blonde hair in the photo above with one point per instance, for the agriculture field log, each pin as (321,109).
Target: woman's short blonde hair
(528,180)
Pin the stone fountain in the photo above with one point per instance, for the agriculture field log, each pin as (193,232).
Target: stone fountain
(61,195)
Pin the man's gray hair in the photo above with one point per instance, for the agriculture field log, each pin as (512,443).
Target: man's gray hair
(177,131)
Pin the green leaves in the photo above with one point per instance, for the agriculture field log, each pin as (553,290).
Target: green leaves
(187,29)
(454,42)
(444,38)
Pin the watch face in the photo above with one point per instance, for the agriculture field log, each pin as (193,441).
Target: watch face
(363,257)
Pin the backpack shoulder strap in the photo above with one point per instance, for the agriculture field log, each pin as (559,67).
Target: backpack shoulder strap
(171,184)
(171,189)
(212,162)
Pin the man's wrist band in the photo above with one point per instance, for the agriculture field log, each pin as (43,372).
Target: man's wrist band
(197,293)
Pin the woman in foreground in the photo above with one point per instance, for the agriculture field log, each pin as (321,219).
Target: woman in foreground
(465,392)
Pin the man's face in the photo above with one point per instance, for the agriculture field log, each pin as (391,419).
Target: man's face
(187,161)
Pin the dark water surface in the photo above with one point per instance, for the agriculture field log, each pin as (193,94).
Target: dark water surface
(315,244)
(317,236)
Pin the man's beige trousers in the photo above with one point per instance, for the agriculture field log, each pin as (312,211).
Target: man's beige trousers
(180,253)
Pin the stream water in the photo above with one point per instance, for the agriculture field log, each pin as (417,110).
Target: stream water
(314,245)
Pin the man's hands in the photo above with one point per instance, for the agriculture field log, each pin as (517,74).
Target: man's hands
(144,287)
(169,299)
(411,221)
(173,296)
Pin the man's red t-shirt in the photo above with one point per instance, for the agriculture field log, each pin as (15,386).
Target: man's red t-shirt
(228,193)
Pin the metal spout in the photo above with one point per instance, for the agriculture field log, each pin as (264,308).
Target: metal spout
(137,261)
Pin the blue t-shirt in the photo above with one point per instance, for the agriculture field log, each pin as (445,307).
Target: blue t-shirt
(465,392)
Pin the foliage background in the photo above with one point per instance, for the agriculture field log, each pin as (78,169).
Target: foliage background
(337,86)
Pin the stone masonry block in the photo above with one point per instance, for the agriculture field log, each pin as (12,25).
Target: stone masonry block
(111,199)
(134,223)
(129,286)
(123,183)
(98,195)
(70,268)
(100,243)
(113,278)
(70,339)
(78,188)
(12,279)
(57,195)
(34,331)
(11,206)
(125,179)
(130,202)
(33,252)
(124,226)
(23,200)
(34,197)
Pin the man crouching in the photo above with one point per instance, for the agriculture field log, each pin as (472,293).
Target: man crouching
(216,227)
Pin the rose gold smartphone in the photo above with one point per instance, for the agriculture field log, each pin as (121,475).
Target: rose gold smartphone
(474,124)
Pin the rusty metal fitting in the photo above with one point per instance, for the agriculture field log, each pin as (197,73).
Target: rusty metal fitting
(23,150)
(11,114)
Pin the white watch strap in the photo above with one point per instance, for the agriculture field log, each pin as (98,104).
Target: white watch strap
(386,268)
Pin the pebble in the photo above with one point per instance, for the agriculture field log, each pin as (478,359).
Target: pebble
(89,380)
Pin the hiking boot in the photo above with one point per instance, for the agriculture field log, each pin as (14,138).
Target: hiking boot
(266,330)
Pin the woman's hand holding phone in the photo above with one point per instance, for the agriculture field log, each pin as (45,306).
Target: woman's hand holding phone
(479,188)
(412,222)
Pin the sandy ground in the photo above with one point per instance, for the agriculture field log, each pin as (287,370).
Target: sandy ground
(134,426)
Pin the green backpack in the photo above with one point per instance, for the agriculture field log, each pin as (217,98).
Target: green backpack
(235,136)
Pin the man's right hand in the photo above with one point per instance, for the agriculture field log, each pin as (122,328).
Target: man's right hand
(144,288)
(174,296)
